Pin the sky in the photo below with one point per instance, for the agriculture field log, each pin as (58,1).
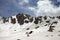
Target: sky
(32,7)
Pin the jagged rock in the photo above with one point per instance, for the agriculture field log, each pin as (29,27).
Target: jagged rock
(51,29)
(45,17)
(58,17)
(30,32)
(52,17)
(36,27)
(13,20)
(48,21)
(5,19)
(36,21)
(55,22)
(31,19)
(26,21)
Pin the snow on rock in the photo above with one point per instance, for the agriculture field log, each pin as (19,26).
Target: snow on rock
(27,27)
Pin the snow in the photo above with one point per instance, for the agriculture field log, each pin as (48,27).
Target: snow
(7,31)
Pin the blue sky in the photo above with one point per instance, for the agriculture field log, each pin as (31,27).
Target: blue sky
(12,7)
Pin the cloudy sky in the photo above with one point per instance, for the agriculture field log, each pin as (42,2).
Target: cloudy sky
(32,7)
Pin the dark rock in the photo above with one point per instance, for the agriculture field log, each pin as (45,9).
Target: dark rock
(52,17)
(27,15)
(30,32)
(36,27)
(13,20)
(39,16)
(31,19)
(58,17)
(55,22)
(27,28)
(21,22)
(5,19)
(36,21)
(48,21)
(20,18)
(45,24)
(45,17)
(18,39)
(51,29)
(52,26)
(26,21)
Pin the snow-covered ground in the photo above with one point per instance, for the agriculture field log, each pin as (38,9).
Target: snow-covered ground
(9,31)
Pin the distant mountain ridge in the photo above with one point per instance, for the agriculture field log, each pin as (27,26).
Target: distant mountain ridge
(26,18)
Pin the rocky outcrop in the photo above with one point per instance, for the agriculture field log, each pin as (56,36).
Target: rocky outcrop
(25,18)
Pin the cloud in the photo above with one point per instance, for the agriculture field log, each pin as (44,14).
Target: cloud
(58,0)
(44,7)
(33,7)
(26,6)
(12,7)
(23,2)
(40,7)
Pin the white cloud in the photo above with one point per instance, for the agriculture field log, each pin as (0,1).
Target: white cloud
(31,8)
(26,1)
(44,7)
(23,2)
